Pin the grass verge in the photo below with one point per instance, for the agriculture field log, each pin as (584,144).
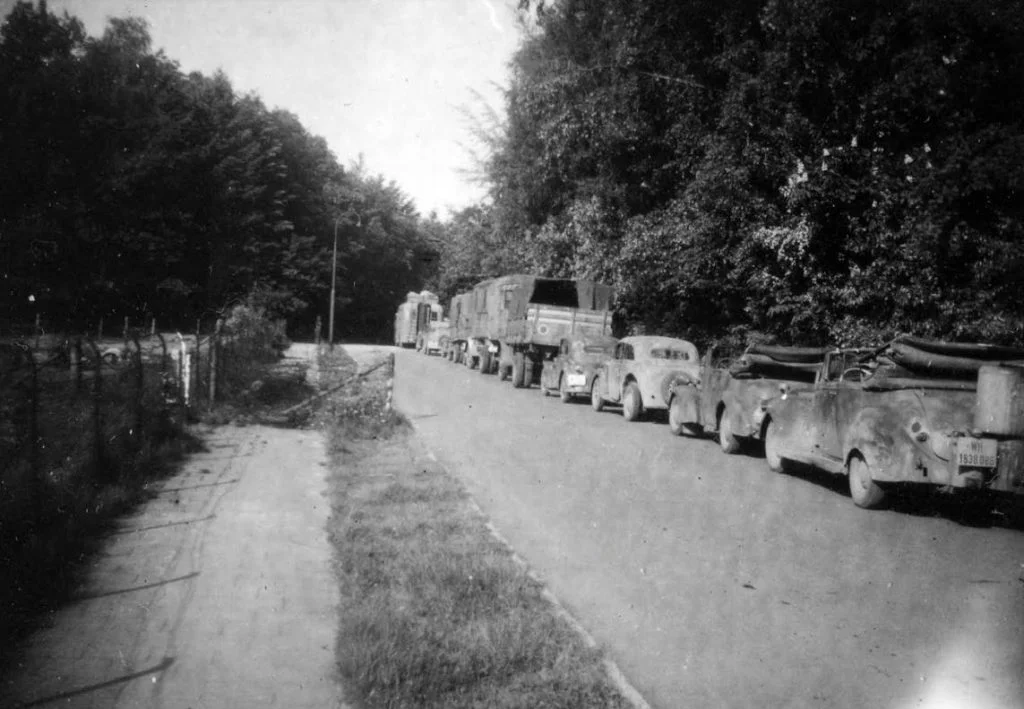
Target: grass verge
(435,611)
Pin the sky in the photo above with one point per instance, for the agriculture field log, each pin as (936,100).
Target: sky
(381,78)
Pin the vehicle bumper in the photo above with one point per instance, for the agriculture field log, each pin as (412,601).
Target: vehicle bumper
(1007,476)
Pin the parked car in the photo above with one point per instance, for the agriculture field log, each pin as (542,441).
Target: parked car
(571,371)
(728,394)
(915,412)
(642,373)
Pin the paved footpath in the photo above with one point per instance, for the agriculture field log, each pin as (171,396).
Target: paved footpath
(218,592)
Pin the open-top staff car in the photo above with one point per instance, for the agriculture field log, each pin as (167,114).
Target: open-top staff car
(643,372)
(571,371)
(917,411)
(727,396)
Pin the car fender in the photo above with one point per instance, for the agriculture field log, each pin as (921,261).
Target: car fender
(688,396)
(883,446)
(671,381)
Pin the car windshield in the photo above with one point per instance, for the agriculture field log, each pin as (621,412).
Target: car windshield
(668,353)
(598,349)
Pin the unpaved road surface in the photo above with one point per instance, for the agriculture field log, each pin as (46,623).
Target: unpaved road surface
(715,583)
(217,593)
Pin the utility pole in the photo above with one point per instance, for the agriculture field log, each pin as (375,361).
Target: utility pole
(334,272)
(334,283)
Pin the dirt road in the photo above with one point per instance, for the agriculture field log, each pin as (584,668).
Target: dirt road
(715,583)
(219,592)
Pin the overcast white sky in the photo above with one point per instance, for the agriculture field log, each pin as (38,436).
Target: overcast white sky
(379,77)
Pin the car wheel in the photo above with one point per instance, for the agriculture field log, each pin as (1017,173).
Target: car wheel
(563,391)
(596,400)
(730,444)
(776,463)
(518,370)
(675,423)
(485,362)
(864,490)
(632,403)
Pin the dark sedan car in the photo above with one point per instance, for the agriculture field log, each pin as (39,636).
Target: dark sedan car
(571,371)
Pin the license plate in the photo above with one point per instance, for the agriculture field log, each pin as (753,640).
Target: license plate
(576,380)
(976,452)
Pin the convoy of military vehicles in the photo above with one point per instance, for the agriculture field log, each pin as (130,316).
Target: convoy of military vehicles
(910,411)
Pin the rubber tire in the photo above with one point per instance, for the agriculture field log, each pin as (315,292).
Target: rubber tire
(866,493)
(596,400)
(632,403)
(485,362)
(518,370)
(776,463)
(726,438)
(563,391)
(677,427)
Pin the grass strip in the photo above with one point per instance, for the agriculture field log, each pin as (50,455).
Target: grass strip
(435,612)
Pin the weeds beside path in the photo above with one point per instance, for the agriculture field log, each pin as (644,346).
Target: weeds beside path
(435,612)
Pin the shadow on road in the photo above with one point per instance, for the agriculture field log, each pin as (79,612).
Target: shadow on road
(133,589)
(160,667)
(980,510)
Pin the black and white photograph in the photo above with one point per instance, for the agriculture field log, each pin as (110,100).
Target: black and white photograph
(512,354)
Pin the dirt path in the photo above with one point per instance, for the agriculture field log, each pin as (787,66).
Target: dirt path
(217,593)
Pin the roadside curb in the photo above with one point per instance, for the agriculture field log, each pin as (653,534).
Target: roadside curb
(617,677)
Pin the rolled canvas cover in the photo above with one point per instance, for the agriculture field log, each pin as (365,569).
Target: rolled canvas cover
(804,355)
(947,359)
(971,350)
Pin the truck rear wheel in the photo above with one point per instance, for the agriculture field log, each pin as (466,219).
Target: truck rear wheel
(485,362)
(518,370)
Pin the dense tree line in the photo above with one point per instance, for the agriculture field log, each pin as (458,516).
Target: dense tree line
(131,188)
(801,170)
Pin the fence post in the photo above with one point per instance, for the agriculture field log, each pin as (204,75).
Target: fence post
(186,376)
(152,326)
(214,359)
(390,383)
(163,352)
(140,384)
(316,336)
(99,329)
(75,357)
(97,415)
(39,328)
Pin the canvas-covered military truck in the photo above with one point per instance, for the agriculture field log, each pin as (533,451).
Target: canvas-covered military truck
(916,411)
(460,319)
(518,321)
(415,316)
(728,394)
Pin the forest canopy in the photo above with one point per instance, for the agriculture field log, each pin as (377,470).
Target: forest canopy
(809,171)
(800,171)
(130,188)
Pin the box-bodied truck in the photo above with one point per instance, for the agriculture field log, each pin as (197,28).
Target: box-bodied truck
(510,325)
(415,317)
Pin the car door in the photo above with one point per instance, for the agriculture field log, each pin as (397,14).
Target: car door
(826,415)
